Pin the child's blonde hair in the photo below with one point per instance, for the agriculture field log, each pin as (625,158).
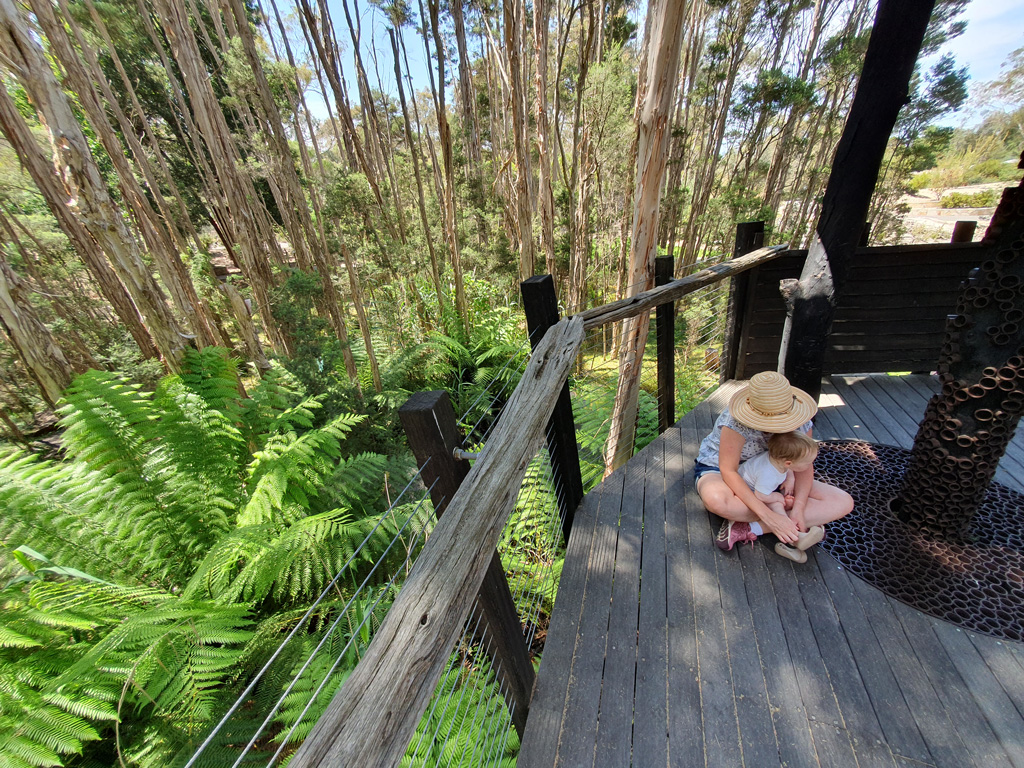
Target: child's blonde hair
(791,446)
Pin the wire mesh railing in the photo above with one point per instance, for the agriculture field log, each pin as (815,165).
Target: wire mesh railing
(698,337)
(282,700)
(476,711)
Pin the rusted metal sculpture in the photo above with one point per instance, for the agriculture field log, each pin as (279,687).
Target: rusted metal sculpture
(968,425)
(930,527)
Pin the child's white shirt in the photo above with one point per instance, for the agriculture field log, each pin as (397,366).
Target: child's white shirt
(761,475)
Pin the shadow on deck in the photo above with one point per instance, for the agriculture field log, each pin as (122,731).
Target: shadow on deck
(663,650)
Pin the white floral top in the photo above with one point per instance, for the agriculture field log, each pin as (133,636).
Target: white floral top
(755,441)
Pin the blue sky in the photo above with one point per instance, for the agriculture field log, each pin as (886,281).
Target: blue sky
(995,28)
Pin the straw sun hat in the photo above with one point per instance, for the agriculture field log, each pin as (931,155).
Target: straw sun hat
(770,404)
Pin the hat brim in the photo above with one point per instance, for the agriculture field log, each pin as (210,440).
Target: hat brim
(803,410)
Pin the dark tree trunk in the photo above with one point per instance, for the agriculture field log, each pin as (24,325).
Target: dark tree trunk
(883,90)
(968,425)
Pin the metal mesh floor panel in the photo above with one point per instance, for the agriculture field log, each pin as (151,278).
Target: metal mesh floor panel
(977,585)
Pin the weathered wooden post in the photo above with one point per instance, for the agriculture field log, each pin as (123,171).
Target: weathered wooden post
(430,425)
(963,231)
(665,322)
(540,305)
(749,237)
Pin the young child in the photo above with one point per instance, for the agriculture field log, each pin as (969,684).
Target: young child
(767,472)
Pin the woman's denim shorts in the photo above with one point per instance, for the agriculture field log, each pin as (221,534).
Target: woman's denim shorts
(701,469)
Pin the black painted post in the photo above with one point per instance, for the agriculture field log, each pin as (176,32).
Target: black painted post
(540,304)
(665,322)
(749,237)
(963,231)
(430,425)
(865,235)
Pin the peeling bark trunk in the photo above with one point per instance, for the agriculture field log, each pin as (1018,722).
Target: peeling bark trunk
(84,185)
(32,340)
(514,23)
(663,71)
(545,196)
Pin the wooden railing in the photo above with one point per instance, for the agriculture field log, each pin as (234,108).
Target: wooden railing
(373,716)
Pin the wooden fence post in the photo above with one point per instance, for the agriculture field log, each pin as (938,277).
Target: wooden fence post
(665,322)
(963,231)
(430,425)
(749,237)
(540,304)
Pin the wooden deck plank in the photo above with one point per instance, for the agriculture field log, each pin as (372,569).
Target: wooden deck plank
(925,704)
(880,411)
(540,740)
(718,706)
(577,735)
(686,742)
(650,724)
(989,695)
(843,416)
(894,716)
(1005,665)
(825,428)
(832,743)
(615,723)
(965,715)
(882,427)
(789,717)
(848,681)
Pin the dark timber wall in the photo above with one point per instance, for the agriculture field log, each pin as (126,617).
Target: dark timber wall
(891,316)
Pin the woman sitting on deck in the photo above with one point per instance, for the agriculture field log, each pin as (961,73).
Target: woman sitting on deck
(767,405)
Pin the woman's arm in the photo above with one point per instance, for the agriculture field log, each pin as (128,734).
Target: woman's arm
(802,482)
(730,449)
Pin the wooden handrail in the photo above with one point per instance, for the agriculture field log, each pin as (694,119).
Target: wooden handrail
(374,715)
(648,300)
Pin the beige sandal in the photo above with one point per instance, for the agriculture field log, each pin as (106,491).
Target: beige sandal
(790,553)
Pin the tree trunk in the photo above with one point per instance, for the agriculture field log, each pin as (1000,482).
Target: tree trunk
(515,13)
(45,178)
(83,183)
(244,220)
(883,89)
(435,274)
(466,91)
(31,339)
(545,196)
(159,232)
(663,71)
(451,228)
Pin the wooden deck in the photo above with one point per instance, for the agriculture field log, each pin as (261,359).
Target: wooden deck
(662,650)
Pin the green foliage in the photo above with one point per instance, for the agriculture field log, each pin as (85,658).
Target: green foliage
(152,567)
(466,721)
(983,199)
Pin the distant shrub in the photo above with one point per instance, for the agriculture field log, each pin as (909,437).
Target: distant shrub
(984,199)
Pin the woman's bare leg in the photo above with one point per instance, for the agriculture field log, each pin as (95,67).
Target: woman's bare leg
(719,499)
(825,504)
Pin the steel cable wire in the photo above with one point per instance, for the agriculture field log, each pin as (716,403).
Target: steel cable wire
(340,656)
(259,675)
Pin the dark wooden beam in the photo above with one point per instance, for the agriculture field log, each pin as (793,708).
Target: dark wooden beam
(749,236)
(883,90)
(665,326)
(432,430)
(540,305)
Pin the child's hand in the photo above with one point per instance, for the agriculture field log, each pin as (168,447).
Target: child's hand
(788,484)
(788,501)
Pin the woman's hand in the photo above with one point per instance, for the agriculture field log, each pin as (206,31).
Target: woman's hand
(783,527)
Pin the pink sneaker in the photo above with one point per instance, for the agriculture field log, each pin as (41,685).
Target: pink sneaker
(732,533)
